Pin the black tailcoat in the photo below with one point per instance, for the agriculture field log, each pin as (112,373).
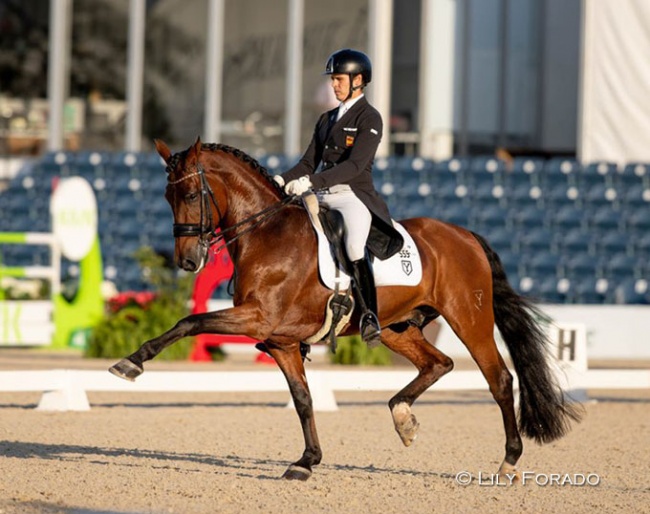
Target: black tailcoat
(347,149)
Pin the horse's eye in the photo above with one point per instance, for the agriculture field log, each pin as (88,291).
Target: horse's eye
(192,196)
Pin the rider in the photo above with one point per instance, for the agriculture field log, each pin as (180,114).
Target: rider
(344,144)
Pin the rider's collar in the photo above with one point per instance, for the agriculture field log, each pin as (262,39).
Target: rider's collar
(347,105)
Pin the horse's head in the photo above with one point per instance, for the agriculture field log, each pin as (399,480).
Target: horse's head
(192,203)
(211,186)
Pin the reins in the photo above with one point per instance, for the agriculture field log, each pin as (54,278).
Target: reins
(203,229)
(266,213)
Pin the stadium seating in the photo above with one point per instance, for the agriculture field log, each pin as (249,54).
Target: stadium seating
(565,232)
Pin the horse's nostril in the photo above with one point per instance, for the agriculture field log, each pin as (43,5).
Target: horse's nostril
(188,265)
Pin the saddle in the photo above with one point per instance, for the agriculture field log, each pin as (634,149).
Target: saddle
(340,305)
(403,268)
(334,230)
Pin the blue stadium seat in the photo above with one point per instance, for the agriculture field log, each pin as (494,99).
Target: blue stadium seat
(528,286)
(637,221)
(485,170)
(118,185)
(456,214)
(575,241)
(55,164)
(153,164)
(637,196)
(388,189)
(510,262)
(560,194)
(536,240)
(486,193)
(590,290)
(613,242)
(123,208)
(553,290)
(605,219)
(522,195)
(530,166)
(599,195)
(420,165)
(541,264)
(90,164)
(499,237)
(633,291)
(155,181)
(455,165)
(581,265)
(134,164)
(634,174)
(559,170)
(568,217)
(416,208)
(487,164)
(407,187)
(489,217)
(16,255)
(451,193)
(641,246)
(525,171)
(622,266)
(598,173)
(528,217)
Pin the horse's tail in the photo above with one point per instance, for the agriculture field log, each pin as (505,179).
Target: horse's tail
(544,411)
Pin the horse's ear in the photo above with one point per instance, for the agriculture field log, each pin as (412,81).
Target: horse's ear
(193,152)
(197,147)
(163,150)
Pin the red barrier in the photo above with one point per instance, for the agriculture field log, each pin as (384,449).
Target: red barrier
(218,269)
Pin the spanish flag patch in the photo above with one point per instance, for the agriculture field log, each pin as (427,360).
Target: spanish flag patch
(349,140)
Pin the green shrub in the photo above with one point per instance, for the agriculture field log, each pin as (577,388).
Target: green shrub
(352,350)
(126,327)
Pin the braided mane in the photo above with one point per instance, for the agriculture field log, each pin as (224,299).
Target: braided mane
(236,152)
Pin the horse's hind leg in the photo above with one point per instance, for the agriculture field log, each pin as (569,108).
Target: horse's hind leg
(479,340)
(431,364)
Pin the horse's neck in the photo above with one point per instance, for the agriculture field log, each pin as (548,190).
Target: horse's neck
(247,196)
(248,193)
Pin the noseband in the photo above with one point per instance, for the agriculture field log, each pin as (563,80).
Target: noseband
(206,230)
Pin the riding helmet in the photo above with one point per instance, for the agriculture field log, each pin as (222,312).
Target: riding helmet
(351,62)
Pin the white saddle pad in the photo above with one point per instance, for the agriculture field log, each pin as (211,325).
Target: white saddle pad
(402,269)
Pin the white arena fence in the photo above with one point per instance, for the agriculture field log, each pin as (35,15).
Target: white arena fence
(30,322)
(65,390)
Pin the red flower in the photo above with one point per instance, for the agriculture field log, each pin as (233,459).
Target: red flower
(140,298)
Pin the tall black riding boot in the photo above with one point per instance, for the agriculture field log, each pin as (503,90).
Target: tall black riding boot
(366,296)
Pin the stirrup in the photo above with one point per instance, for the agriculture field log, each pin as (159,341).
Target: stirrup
(370,330)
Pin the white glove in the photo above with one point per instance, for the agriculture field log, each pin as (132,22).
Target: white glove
(279,180)
(299,186)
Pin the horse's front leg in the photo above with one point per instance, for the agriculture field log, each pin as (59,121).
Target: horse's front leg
(290,362)
(242,320)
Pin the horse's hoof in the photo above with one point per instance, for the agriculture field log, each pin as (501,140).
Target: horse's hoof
(294,472)
(509,473)
(406,425)
(127,370)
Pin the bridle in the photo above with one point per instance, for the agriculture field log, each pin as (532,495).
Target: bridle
(206,230)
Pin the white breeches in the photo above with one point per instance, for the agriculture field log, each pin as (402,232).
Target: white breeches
(356,216)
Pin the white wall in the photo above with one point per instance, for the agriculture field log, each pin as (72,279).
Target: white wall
(615,112)
(613,331)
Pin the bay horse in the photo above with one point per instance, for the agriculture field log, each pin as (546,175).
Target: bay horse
(279,299)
